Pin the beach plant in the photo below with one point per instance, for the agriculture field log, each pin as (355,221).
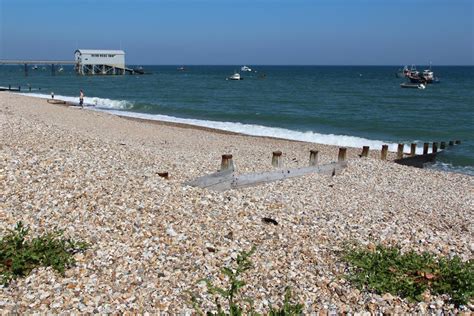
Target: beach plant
(20,255)
(409,275)
(228,300)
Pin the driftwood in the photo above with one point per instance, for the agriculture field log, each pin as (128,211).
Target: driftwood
(226,180)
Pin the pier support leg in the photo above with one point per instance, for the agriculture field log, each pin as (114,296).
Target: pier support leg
(52,70)
(26,70)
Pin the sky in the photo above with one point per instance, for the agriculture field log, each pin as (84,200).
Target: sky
(237,32)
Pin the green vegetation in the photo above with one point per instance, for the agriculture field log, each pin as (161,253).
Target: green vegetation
(18,256)
(234,304)
(387,270)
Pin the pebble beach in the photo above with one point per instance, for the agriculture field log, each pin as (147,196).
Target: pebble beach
(95,176)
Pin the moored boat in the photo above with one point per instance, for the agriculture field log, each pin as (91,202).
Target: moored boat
(235,76)
(420,86)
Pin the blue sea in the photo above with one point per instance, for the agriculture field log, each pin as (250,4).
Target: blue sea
(336,105)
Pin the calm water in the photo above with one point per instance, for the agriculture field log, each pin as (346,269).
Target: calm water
(343,105)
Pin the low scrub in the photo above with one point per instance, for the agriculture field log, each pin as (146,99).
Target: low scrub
(228,300)
(19,255)
(409,275)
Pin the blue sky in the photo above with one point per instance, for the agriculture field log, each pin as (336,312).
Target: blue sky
(287,32)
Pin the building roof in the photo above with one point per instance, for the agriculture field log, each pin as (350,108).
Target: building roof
(100,51)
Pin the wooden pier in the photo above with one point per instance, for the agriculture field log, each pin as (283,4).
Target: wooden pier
(26,63)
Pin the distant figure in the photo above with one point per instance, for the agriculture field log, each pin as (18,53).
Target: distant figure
(81,98)
(52,95)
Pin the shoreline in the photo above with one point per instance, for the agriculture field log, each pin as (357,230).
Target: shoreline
(96,176)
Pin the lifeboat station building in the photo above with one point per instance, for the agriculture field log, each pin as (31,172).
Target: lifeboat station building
(100,62)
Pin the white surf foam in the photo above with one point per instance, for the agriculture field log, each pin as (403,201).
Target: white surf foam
(111,106)
(98,102)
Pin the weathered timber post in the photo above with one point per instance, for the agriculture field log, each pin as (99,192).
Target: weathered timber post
(400,151)
(164,175)
(413,150)
(19,88)
(425,148)
(435,147)
(451,143)
(443,145)
(342,154)
(365,151)
(9,87)
(276,159)
(313,157)
(383,154)
(227,163)
(458,142)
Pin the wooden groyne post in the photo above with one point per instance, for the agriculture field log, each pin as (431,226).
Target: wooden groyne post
(383,154)
(227,163)
(425,148)
(435,147)
(313,157)
(276,159)
(442,145)
(400,150)
(413,150)
(365,151)
(342,154)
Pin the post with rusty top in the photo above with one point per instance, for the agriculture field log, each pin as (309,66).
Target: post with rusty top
(383,154)
(458,142)
(435,147)
(425,148)
(400,151)
(365,151)
(342,154)
(227,163)
(276,159)
(451,143)
(413,150)
(442,145)
(313,157)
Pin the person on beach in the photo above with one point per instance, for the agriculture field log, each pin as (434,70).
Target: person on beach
(81,98)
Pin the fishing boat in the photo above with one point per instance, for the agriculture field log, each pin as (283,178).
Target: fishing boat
(429,76)
(181,68)
(235,76)
(420,86)
(245,68)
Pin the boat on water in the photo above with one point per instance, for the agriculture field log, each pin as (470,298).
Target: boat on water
(414,76)
(235,76)
(35,67)
(245,68)
(181,68)
(61,69)
(420,86)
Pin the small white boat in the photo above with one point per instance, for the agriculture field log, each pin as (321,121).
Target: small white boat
(61,69)
(420,86)
(235,76)
(245,68)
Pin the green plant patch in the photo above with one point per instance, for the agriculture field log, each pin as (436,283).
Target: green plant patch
(228,300)
(408,275)
(19,255)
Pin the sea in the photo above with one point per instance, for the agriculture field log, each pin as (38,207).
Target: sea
(336,105)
